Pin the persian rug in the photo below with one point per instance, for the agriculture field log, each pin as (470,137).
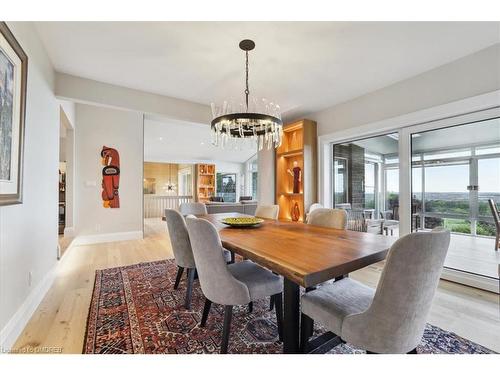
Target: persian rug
(134,309)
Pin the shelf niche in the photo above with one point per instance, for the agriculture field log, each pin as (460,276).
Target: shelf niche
(205,182)
(298,145)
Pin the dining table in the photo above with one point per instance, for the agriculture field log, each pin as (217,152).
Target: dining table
(305,255)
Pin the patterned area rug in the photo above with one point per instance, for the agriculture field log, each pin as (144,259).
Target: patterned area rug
(134,309)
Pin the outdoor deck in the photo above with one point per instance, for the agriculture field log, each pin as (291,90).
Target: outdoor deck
(473,254)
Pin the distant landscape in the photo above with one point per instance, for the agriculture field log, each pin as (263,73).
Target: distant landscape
(449,203)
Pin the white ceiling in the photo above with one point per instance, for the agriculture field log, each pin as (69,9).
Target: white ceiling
(182,142)
(303,66)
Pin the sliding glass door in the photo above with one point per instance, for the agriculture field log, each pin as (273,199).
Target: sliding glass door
(440,173)
(455,171)
(365,182)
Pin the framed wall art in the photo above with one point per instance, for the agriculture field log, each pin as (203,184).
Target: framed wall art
(13,79)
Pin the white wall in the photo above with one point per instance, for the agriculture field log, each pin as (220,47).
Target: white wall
(69,110)
(28,231)
(469,76)
(266,178)
(123,130)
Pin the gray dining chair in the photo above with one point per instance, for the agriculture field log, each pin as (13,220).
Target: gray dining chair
(328,217)
(183,254)
(392,318)
(268,212)
(193,208)
(229,285)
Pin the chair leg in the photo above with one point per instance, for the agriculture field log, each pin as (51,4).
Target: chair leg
(191,272)
(278,302)
(180,270)
(232,257)
(228,314)
(206,311)
(306,329)
(250,307)
(413,351)
(271,303)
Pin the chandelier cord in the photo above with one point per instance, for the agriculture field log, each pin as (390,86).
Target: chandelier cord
(247,91)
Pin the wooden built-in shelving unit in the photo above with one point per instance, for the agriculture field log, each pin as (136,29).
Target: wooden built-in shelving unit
(205,182)
(299,144)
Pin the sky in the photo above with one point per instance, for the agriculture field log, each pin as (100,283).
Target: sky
(455,178)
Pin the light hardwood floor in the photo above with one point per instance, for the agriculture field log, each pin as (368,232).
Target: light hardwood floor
(59,322)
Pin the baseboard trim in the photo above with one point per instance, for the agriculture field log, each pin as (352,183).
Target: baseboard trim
(69,232)
(476,281)
(107,237)
(17,323)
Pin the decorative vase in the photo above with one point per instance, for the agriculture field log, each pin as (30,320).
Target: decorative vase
(295,212)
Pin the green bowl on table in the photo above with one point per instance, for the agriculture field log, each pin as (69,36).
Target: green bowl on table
(242,222)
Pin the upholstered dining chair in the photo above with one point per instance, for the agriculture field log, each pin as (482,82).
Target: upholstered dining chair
(183,254)
(268,212)
(235,284)
(328,217)
(313,207)
(193,208)
(392,318)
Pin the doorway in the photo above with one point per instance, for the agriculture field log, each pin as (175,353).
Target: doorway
(65,185)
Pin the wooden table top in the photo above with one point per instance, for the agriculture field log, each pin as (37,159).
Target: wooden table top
(303,253)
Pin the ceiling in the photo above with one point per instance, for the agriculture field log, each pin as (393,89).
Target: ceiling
(303,66)
(182,142)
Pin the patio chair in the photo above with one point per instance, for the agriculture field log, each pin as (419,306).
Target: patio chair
(496,218)
(356,221)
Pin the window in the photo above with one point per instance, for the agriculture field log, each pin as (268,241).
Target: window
(226,186)
(370,178)
(392,189)
(254,185)
(488,150)
(185,182)
(447,154)
(341,180)
(454,184)
(251,177)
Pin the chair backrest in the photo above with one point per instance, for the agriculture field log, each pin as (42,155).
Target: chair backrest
(328,217)
(315,206)
(193,208)
(268,212)
(179,239)
(217,283)
(395,321)
(343,206)
(494,212)
(387,214)
(356,221)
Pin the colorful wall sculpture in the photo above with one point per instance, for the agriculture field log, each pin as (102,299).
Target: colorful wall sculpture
(110,177)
